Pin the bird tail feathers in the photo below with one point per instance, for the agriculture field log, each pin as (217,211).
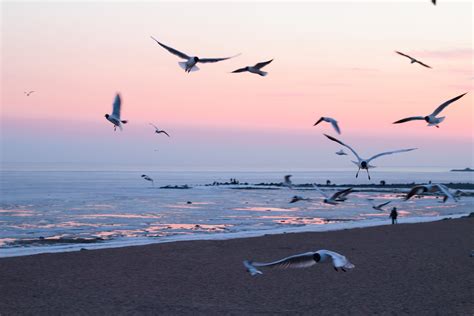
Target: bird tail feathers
(184,65)
(251,269)
(263,73)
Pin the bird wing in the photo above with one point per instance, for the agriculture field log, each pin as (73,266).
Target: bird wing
(411,118)
(400,53)
(164,132)
(116,107)
(321,191)
(414,191)
(443,189)
(341,143)
(338,260)
(214,60)
(423,64)
(303,260)
(383,204)
(240,70)
(171,50)
(319,121)
(335,126)
(262,64)
(154,125)
(341,193)
(389,153)
(445,104)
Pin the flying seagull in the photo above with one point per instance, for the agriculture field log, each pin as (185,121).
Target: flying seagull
(431,188)
(256,69)
(191,61)
(28,93)
(147,178)
(329,120)
(303,260)
(431,119)
(287,181)
(412,60)
(337,197)
(380,206)
(159,131)
(364,163)
(114,118)
(341,153)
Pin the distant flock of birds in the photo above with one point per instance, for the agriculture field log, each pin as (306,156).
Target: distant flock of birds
(310,258)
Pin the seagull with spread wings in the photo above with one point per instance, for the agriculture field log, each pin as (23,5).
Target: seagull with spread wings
(430,188)
(27,93)
(365,163)
(114,118)
(431,119)
(412,60)
(191,61)
(339,196)
(304,260)
(341,153)
(159,131)
(256,69)
(329,120)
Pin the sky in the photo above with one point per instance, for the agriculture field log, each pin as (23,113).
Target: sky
(331,58)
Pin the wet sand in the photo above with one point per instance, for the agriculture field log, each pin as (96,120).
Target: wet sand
(421,269)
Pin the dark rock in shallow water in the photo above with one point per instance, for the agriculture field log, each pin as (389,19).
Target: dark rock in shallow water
(189,202)
(179,187)
(40,241)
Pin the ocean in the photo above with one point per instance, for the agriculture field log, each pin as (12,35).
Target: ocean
(63,210)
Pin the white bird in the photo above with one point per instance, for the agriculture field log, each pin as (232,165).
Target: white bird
(114,118)
(159,131)
(287,181)
(341,153)
(256,69)
(147,178)
(379,207)
(339,196)
(28,93)
(430,188)
(364,163)
(303,260)
(329,120)
(413,60)
(431,119)
(191,61)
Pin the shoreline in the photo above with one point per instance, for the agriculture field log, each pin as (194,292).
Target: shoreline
(142,241)
(422,269)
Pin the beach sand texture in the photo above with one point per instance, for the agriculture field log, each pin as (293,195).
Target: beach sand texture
(422,269)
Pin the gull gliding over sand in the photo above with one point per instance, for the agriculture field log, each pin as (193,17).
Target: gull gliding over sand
(191,61)
(337,197)
(364,163)
(303,260)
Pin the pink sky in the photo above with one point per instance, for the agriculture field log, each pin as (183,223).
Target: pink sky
(330,58)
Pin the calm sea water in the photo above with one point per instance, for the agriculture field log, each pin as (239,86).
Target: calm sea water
(40,208)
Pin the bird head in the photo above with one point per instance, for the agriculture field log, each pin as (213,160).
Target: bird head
(317,257)
(196,59)
(106,116)
(427,119)
(364,165)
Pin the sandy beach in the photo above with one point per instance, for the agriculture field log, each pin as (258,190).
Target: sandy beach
(419,269)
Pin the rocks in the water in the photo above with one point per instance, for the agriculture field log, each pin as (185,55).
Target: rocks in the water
(179,187)
(189,202)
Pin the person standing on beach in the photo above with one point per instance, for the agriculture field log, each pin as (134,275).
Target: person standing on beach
(394,215)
